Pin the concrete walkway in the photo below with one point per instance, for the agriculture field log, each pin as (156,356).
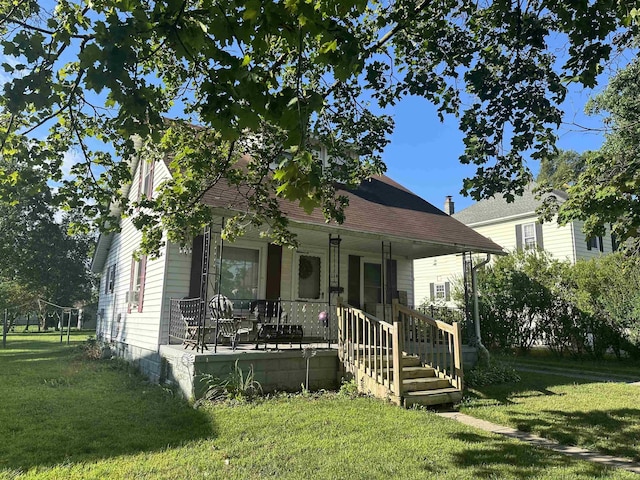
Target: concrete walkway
(577,452)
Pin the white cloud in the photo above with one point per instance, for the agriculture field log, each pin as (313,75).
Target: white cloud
(70,158)
(4,76)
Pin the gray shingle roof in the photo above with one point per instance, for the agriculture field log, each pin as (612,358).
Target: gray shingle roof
(497,207)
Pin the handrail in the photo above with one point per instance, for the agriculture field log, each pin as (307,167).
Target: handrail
(371,345)
(437,343)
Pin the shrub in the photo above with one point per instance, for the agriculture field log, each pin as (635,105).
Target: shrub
(94,349)
(588,308)
(492,374)
(349,388)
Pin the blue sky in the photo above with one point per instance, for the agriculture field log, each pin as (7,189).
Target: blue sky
(423,153)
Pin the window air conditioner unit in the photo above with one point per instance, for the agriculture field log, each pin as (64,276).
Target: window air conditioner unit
(133,297)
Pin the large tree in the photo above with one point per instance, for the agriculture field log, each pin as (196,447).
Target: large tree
(275,80)
(606,192)
(39,258)
(561,170)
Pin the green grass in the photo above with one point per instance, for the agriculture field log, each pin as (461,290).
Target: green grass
(546,359)
(67,418)
(594,415)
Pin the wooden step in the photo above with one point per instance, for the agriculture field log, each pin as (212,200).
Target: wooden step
(407,361)
(418,372)
(424,384)
(411,361)
(432,397)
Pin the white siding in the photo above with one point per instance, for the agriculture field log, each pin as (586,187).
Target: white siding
(138,329)
(557,240)
(581,243)
(436,270)
(565,243)
(405,278)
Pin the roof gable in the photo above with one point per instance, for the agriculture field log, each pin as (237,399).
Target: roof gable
(497,207)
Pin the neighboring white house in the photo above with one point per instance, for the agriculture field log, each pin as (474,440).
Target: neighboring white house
(513,226)
(386,228)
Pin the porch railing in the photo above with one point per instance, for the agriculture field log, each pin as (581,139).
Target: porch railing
(370,344)
(437,343)
(316,328)
(375,347)
(297,312)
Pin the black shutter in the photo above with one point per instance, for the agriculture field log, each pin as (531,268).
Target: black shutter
(353,282)
(614,243)
(519,237)
(432,292)
(274,270)
(539,241)
(588,244)
(447,291)
(196,268)
(601,242)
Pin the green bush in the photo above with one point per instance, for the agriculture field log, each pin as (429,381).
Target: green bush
(493,374)
(529,298)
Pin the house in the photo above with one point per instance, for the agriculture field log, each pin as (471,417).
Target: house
(514,226)
(360,274)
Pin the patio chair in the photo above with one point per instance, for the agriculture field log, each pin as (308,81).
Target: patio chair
(230,328)
(227,326)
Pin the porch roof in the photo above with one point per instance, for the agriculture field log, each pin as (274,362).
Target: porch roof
(379,209)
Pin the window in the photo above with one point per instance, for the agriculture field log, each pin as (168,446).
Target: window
(595,243)
(372,283)
(529,235)
(136,284)
(440,291)
(309,277)
(146,178)
(110,280)
(240,273)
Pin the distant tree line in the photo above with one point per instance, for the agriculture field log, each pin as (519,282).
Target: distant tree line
(39,255)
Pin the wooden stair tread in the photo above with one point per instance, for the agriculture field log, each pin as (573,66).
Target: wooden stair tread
(432,397)
(421,393)
(424,384)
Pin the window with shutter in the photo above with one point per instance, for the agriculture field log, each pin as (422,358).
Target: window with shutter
(135,295)
(145,179)
(592,243)
(529,235)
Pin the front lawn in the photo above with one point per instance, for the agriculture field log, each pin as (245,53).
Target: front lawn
(67,418)
(594,415)
(544,359)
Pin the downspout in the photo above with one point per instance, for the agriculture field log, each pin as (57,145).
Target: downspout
(483,353)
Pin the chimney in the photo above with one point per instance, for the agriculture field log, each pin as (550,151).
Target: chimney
(448,205)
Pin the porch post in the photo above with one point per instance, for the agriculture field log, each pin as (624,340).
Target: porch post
(204,286)
(398,347)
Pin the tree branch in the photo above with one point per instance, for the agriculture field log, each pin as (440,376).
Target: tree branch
(8,19)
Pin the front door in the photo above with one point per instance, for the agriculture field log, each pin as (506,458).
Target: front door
(310,277)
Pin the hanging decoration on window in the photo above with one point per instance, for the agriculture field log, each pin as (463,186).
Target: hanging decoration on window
(306,268)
